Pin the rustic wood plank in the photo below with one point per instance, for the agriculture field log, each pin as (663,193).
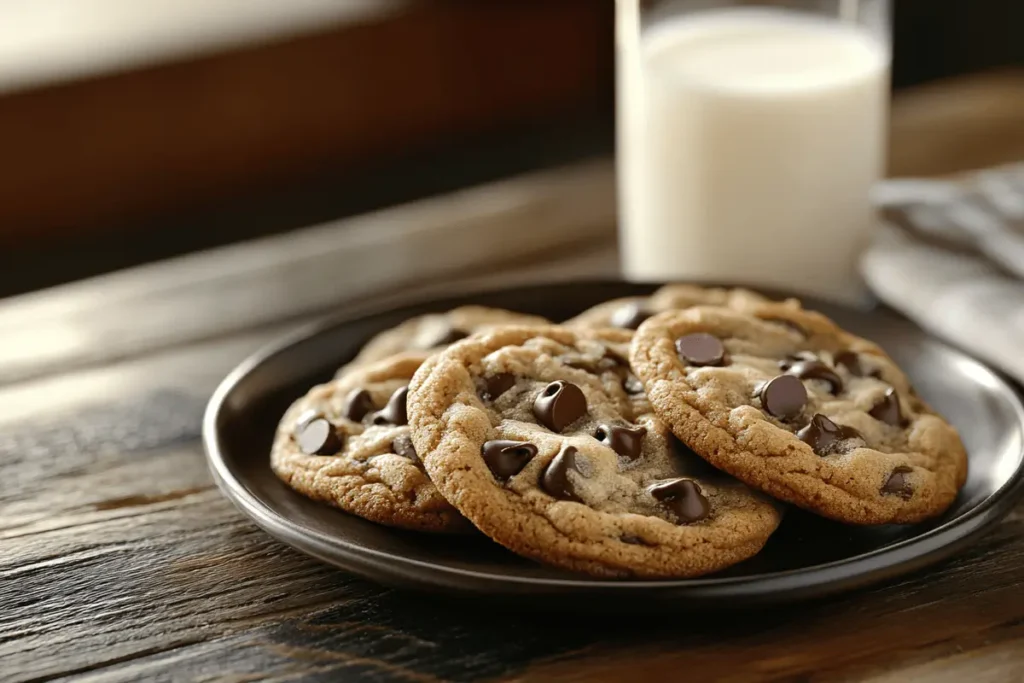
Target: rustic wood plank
(200,591)
(958,125)
(970,609)
(122,562)
(499,229)
(512,231)
(121,149)
(62,441)
(995,664)
(46,51)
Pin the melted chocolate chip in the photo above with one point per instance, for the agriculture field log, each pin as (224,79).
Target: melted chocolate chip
(402,446)
(824,436)
(444,337)
(783,396)
(555,479)
(632,385)
(792,358)
(898,483)
(358,404)
(815,369)
(394,413)
(559,405)
(630,316)
(683,497)
(496,385)
(507,458)
(851,361)
(318,437)
(701,348)
(887,409)
(626,441)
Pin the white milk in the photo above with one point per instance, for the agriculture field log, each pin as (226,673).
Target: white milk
(749,141)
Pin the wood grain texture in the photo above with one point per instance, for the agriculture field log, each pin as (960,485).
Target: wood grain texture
(120,561)
(507,231)
(123,148)
(510,230)
(958,125)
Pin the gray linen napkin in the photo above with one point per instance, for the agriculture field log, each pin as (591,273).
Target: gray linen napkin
(950,256)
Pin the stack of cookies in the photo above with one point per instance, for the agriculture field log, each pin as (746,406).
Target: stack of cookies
(658,436)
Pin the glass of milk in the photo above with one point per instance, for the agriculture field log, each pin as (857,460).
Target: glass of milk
(749,137)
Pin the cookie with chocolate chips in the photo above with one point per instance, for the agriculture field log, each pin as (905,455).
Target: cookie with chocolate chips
(629,312)
(789,403)
(537,437)
(435,331)
(347,443)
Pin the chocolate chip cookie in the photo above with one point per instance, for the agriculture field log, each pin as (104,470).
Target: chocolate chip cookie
(347,443)
(789,403)
(629,312)
(437,330)
(535,435)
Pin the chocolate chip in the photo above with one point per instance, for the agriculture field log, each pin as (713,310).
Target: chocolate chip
(630,316)
(797,356)
(559,405)
(632,385)
(444,337)
(824,436)
(496,385)
(555,479)
(625,441)
(358,404)
(783,396)
(887,409)
(318,437)
(683,497)
(507,458)
(402,446)
(851,361)
(898,484)
(815,369)
(701,348)
(394,413)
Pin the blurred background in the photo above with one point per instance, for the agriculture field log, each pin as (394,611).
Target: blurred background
(135,131)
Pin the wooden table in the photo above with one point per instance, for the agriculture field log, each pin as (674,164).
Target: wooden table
(120,560)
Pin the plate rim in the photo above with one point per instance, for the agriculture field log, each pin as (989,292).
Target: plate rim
(907,555)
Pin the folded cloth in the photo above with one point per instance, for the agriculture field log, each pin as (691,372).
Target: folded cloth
(950,256)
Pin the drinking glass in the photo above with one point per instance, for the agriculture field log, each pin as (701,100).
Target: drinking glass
(749,137)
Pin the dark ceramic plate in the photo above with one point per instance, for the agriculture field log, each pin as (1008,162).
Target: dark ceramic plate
(807,557)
